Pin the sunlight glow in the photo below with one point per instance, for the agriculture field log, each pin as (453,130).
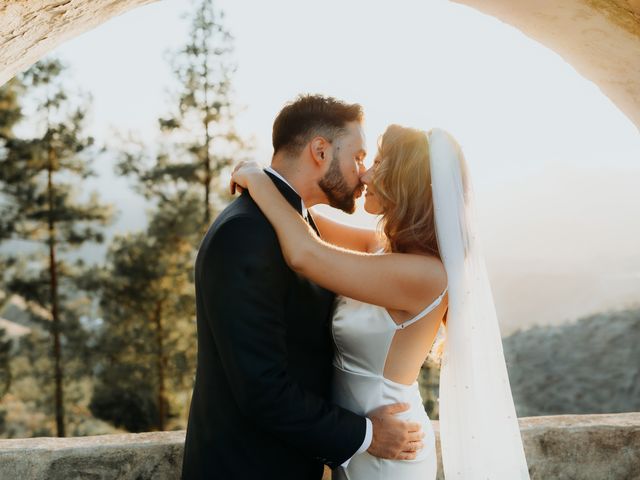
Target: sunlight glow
(533,130)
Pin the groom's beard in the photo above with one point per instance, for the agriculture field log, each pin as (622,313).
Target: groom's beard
(336,189)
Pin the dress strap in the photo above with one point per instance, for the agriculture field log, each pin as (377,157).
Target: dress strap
(435,303)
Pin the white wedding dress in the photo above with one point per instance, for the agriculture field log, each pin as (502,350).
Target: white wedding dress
(362,334)
(479,429)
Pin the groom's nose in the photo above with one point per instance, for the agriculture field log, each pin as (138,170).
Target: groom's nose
(365,177)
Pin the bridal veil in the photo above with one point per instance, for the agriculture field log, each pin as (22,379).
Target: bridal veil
(479,431)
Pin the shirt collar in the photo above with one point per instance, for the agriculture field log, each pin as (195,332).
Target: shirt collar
(272,171)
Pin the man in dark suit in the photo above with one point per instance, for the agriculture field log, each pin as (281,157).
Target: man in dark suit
(260,407)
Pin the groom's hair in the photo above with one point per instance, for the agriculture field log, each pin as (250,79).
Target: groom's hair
(309,116)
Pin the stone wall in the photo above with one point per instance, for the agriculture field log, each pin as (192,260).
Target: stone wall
(584,447)
(29,29)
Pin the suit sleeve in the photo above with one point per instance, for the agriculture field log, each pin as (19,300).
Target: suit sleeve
(246,278)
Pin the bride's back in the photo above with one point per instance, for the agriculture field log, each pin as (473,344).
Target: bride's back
(411,345)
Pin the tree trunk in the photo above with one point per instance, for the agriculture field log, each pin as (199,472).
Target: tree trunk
(207,180)
(7,381)
(55,315)
(207,142)
(161,367)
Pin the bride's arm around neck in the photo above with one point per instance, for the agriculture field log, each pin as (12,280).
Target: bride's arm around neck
(398,281)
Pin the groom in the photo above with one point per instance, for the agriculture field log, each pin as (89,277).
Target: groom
(260,407)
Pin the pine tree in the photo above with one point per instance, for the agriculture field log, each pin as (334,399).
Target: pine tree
(10,111)
(10,115)
(5,365)
(41,175)
(148,306)
(148,288)
(202,126)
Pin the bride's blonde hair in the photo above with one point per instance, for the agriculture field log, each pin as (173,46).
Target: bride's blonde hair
(402,182)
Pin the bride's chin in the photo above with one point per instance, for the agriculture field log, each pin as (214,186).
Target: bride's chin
(370,209)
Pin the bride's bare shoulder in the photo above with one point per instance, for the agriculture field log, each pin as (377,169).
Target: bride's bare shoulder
(430,268)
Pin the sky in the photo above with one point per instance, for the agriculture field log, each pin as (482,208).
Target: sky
(554,163)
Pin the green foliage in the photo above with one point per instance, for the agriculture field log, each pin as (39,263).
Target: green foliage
(200,132)
(429,382)
(585,367)
(128,406)
(133,366)
(5,366)
(148,306)
(10,115)
(146,292)
(29,410)
(60,150)
(40,175)
(10,111)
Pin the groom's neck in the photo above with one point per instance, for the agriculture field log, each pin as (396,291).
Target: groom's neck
(300,179)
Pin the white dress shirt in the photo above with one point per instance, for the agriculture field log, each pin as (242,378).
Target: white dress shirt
(271,170)
(368,437)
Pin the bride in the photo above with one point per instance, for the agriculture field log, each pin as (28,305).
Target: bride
(395,289)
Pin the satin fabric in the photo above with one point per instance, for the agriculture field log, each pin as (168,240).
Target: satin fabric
(362,334)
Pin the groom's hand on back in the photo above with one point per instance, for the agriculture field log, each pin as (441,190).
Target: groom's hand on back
(394,438)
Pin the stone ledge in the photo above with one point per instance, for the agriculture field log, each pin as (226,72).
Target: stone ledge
(598,447)
(582,447)
(152,455)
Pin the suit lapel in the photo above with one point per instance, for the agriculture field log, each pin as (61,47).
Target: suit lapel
(312,223)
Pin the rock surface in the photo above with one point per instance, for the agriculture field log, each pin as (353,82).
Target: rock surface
(585,447)
(29,29)
(152,455)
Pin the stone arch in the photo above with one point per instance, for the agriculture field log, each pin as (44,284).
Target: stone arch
(29,29)
(599,38)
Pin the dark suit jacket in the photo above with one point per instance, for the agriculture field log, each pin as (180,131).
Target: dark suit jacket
(260,406)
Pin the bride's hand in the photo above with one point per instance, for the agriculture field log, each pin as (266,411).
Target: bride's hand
(241,175)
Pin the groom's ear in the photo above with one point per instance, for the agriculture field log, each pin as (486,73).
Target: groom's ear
(319,147)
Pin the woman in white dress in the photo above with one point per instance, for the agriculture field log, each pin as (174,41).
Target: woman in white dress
(393,292)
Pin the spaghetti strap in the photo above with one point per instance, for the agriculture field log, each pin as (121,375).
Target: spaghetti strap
(413,320)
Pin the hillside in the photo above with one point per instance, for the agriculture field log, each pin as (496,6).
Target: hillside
(588,366)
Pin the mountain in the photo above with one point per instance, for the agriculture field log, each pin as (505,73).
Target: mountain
(588,366)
